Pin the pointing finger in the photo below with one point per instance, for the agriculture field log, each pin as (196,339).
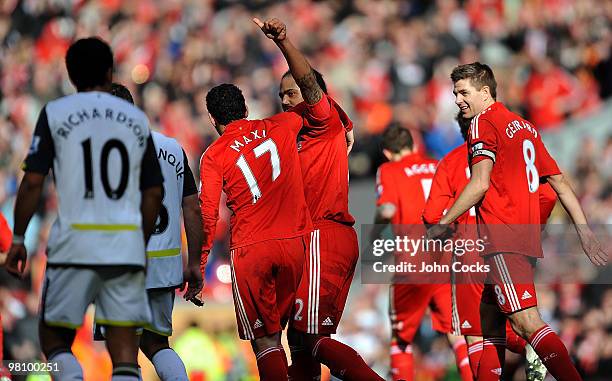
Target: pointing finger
(258,22)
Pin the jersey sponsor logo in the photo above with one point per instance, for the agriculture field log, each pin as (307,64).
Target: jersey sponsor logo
(258,324)
(526,295)
(420,169)
(466,324)
(328,321)
(245,140)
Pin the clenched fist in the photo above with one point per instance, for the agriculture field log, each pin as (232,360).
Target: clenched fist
(274,29)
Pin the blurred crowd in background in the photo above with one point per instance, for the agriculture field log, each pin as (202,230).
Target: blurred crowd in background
(384,61)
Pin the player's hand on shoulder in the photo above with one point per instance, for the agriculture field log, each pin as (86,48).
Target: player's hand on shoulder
(273,28)
(16,259)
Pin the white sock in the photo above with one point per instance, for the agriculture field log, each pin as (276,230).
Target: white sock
(70,369)
(169,366)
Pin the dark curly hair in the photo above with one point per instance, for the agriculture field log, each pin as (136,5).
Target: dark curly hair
(226,103)
(88,62)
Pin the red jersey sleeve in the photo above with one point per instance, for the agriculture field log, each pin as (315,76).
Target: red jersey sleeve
(548,199)
(483,140)
(386,189)
(547,166)
(6,236)
(440,195)
(211,185)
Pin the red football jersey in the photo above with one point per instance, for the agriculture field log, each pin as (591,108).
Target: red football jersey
(510,209)
(406,184)
(256,163)
(452,175)
(324,162)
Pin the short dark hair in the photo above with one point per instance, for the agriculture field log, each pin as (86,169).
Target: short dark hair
(226,103)
(318,77)
(479,75)
(396,138)
(88,61)
(464,125)
(122,92)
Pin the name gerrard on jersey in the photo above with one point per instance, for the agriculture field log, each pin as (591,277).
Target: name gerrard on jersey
(420,169)
(75,119)
(255,135)
(515,126)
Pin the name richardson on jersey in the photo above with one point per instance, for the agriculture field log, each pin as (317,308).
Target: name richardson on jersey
(76,118)
(245,140)
(173,161)
(516,126)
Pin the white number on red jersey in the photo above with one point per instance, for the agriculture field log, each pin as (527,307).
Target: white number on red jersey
(529,154)
(266,146)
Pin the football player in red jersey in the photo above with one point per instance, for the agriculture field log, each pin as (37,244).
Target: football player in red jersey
(452,175)
(403,186)
(256,163)
(330,265)
(508,161)
(333,252)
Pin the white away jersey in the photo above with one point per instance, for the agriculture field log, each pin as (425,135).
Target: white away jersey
(102,156)
(165,262)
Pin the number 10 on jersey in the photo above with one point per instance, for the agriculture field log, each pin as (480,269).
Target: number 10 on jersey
(266,146)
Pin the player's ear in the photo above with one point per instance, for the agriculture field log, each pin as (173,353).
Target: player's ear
(486,93)
(212,120)
(246,113)
(388,154)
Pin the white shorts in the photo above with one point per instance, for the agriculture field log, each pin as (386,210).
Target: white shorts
(161,301)
(118,292)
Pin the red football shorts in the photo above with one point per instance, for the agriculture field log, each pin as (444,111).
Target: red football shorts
(328,271)
(509,283)
(407,305)
(265,277)
(466,296)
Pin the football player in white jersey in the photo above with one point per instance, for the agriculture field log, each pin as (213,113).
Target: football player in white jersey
(164,259)
(109,188)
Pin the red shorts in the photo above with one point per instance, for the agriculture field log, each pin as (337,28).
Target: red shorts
(265,277)
(328,273)
(466,296)
(510,282)
(408,303)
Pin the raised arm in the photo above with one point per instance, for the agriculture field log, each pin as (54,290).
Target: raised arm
(300,69)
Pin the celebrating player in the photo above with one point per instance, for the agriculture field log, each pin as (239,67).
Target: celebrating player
(256,163)
(403,187)
(164,260)
(452,175)
(508,161)
(108,183)
(333,252)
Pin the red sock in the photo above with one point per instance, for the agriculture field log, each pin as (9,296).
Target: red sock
(474,353)
(303,366)
(492,359)
(402,367)
(343,361)
(463,362)
(271,364)
(514,343)
(554,355)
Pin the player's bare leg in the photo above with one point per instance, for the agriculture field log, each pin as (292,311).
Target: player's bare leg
(122,345)
(271,359)
(167,363)
(56,343)
(343,361)
(493,353)
(529,325)
(459,346)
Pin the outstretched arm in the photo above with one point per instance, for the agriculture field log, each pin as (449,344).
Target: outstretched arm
(590,244)
(300,69)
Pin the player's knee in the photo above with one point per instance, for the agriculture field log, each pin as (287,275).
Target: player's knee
(151,343)
(54,339)
(265,342)
(525,323)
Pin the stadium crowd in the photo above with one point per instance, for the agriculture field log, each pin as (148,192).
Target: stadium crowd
(384,61)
